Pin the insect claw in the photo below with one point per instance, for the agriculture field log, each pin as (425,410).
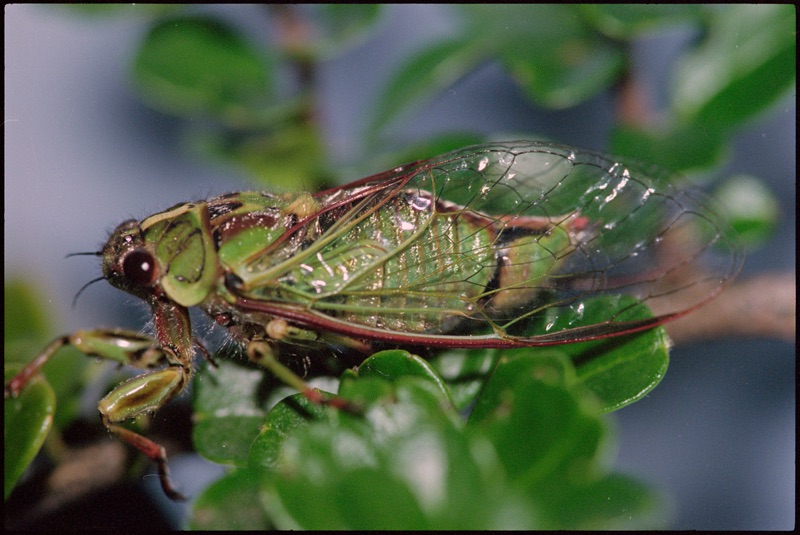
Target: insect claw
(166,483)
(206,354)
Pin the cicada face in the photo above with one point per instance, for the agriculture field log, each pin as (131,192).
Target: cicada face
(128,264)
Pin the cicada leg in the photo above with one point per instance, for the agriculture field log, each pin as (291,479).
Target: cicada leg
(125,347)
(260,352)
(143,393)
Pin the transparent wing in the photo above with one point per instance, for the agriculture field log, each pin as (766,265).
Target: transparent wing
(473,257)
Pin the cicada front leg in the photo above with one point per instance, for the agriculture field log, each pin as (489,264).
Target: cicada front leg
(147,392)
(140,394)
(125,347)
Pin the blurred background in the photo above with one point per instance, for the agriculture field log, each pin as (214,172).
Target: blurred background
(94,136)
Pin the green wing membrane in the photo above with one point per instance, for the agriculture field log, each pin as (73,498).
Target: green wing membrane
(480,239)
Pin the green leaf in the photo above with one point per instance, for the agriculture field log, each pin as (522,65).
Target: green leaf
(465,372)
(403,460)
(618,370)
(746,64)
(751,209)
(431,147)
(27,330)
(424,75)
(396,363)
(24,321)
(681,148)
(627,21)
(286,417)
(190,66)
(288,158)
(611,502)
(623,371)
(339,27)
(99,10)
(404,464)
(557,59)
(27,421)
(545,428)
(233,502)
(229,409)
(535,423)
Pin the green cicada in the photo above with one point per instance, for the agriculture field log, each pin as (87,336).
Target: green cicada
(466,250)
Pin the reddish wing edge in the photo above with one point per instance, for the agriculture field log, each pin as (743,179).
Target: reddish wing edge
(322,322)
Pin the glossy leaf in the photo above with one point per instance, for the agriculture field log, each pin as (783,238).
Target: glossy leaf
(752,210)
(531,419)
(465,372)
(557,59)
(404,465)
(678,148)
(621,370)
(405,462)
(608,502)
(399,363)
(23,320)
(552,53)
(283,419)
(27,420)
(340,26)
(548,437)
(98,10)
(27,331)
(429,148)
(290,158)
(195,65)
(746,64)
(228,412)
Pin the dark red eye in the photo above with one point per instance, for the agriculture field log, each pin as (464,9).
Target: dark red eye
(139,267)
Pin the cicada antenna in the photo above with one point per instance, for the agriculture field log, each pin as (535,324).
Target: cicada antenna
(90,253)
(75,299)
(98,279)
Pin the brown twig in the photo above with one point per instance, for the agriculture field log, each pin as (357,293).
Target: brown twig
(765,306)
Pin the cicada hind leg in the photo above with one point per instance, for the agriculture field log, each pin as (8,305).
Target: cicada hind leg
(260,351)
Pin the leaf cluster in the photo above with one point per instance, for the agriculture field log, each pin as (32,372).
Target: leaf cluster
(529,456)
(481,439)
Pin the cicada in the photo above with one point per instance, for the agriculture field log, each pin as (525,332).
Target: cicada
(464,250)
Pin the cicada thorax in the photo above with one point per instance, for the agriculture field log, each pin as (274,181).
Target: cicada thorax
(181,242)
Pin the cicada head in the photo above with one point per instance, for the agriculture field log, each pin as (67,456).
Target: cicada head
(128,264)
(169,255)
(134,261)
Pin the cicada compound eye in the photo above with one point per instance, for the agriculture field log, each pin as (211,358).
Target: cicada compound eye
(139,267)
